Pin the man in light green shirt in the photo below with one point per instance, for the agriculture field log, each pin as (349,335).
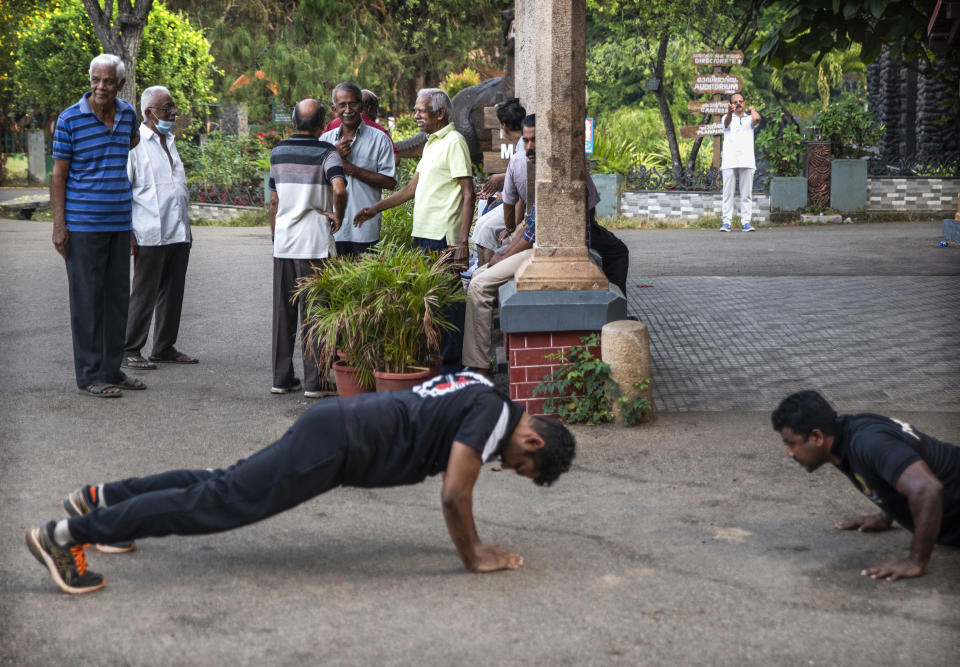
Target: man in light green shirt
(442,186)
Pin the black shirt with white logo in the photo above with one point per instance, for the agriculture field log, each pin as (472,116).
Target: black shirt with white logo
(401,437)
(874,451)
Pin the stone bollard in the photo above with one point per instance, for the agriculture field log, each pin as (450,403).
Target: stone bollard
(625,346)
(36,159)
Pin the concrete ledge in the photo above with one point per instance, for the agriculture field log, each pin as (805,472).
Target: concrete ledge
(951,230)
(559,310)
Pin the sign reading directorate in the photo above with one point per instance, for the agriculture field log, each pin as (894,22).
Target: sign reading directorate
(716,83)
(717,58)
(713,108)
(282,114)
(693,131)
(588,132)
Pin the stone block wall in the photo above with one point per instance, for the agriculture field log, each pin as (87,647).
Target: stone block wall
(527,358)
(912,194)
(679,205)
(219,211)
(883,194)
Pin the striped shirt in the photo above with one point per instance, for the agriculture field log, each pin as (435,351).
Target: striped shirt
(98,197)
(301,171)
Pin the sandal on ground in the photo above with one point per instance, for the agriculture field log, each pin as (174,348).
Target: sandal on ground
(101,390)
(138,362)
(130,383)
(173,356)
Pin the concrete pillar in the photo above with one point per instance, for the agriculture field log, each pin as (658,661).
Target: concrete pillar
(560,260)
(525,65)
(625,346)
(36,158)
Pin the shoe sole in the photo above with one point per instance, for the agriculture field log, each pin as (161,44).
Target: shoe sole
(724,230)
(72,510)
(32,539)
(284,390)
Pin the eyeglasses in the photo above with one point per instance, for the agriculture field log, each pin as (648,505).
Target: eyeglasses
(170,111)
(352,105)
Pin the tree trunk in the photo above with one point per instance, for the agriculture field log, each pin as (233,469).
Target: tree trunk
(664,106)
(122,36)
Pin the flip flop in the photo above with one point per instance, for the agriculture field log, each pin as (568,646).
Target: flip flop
(175,357)
(130,383)
(136,361)
(100,390)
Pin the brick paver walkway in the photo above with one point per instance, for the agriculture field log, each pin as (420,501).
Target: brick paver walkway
(724,343)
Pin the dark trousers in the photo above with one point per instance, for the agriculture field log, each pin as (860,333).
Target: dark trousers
(308,460)
(451,341)
(353,248)
(613,252)
(287,317)
(98,272)
(159,274)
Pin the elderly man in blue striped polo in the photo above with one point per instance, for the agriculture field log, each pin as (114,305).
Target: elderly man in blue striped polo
(92,203)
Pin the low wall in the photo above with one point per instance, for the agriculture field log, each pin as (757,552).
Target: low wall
(219,211)
(680,205)
(883,195)
(912,194)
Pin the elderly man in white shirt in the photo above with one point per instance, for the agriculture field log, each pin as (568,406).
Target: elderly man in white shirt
(737,162)
(161,239)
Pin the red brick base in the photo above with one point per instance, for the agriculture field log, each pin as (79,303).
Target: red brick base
(527,358)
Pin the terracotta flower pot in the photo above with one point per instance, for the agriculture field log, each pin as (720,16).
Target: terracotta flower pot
(433,364)
(347,382)
(395,381)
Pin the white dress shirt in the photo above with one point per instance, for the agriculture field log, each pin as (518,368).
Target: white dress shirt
(738,143)
(160,195)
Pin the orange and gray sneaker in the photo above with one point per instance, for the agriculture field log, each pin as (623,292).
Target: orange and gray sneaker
(83,501)
(67,565)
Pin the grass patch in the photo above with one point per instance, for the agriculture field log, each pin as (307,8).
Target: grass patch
(258,218)
(623,222)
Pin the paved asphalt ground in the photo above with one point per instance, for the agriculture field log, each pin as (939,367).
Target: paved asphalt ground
(691,540)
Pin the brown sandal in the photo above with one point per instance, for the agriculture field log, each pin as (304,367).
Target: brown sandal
(101,390)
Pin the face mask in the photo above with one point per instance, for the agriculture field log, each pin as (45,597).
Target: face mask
(164,126)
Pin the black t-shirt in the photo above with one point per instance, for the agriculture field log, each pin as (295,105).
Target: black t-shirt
(401,437)
(874,451)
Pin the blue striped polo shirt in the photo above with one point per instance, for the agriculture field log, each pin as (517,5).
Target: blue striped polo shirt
(98,198)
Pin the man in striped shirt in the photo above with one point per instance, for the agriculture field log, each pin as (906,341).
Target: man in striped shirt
(308,195)
(92,203)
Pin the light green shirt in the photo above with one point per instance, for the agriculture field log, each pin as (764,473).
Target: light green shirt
(438,202)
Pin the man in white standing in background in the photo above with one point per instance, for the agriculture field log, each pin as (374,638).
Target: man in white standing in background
(161,238)
(737,163)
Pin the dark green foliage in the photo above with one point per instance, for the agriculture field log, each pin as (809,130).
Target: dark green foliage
(581,390)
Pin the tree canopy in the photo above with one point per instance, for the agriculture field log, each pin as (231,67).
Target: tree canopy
(57,42)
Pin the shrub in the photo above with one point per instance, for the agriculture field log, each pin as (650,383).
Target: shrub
(849,127)
(455,82)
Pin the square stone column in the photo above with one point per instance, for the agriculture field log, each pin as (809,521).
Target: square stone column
(560,260)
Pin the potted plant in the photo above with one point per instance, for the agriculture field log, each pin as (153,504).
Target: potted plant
(782,142)
(851,131)
(385,312)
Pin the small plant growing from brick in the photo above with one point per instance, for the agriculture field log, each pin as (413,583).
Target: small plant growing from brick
(580,390)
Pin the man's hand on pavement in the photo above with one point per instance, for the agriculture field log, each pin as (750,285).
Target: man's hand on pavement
(905,568)
(490,558)
(870,523)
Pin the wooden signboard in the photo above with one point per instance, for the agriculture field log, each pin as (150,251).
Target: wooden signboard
(713,108)
(716,83)
(717,58)
(694,131)
(496,153)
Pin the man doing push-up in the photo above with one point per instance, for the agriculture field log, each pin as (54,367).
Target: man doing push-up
(451,424)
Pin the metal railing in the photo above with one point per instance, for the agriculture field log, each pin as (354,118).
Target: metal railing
(232,196)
